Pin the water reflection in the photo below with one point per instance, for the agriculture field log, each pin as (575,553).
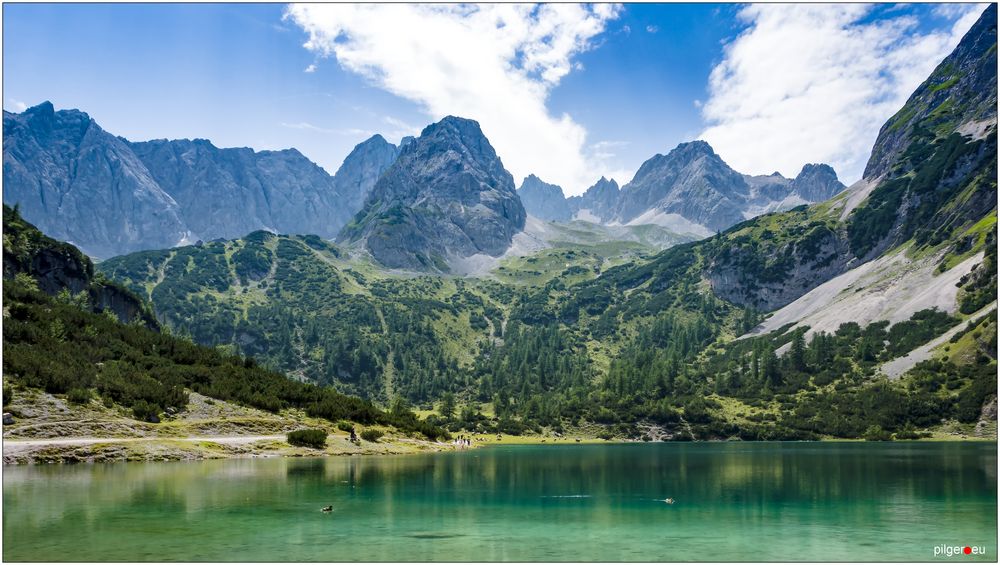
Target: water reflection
(524,503)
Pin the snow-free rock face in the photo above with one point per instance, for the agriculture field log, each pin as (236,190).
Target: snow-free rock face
(361,170)
(598,203)
(446,196)
(109,196)
(690,181)
(543,200)
(816,183)
(228,193)
(56,266)
(81,184)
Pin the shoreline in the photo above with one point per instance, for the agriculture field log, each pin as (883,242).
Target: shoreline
(203,448)
(195,448)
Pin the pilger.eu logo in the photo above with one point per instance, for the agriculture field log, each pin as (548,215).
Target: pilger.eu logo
(958,550)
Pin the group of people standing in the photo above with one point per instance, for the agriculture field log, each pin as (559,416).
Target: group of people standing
(463,442)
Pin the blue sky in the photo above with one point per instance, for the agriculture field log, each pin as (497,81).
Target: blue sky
(566,92)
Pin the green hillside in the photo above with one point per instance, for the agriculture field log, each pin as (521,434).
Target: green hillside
(56,343)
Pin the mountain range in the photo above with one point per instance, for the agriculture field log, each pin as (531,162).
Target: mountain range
(59,166)
(163,193)
(870,313)
(689,190)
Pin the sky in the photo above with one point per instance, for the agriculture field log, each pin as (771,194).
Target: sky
(567,92)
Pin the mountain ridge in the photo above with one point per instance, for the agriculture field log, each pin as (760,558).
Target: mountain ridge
(161,193)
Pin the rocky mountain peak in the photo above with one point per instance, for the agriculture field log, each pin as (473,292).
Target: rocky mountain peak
(361,170)
(447,197)
(543,200)
(691,181)
(82,184)
(44,111)
(597,204)
(816,182)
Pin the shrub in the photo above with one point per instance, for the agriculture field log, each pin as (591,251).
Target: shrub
(908,432)
(8,394)
(371,435)
(876,433)
(308,438)
(345,426)
(146,412)
(79,395)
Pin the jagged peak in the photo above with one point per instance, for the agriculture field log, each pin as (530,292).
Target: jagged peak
(809,167)
(46,111)
(461,135)
(532,182)
(817,169)
(377,138)
(453,124)
(602,182)
(697,145)
(45,107)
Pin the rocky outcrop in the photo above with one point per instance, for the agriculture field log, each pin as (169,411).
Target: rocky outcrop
(766,281)
(84,185)
(446,196)
(543,200)
(56,266)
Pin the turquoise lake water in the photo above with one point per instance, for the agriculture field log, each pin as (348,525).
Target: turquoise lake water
(734,501)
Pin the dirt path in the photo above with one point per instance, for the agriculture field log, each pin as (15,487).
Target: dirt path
(16,444)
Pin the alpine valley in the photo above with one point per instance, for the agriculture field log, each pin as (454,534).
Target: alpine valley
(420,289)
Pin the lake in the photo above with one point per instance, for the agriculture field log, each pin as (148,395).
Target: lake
(733,501)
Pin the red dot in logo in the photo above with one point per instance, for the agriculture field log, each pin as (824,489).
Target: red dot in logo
(967,550)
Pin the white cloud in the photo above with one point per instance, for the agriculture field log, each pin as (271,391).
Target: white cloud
(311,68)
(652,29)
(814,83)
(307,126)
(603,150)
(17,105)
(400,129)
(495,63)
